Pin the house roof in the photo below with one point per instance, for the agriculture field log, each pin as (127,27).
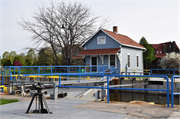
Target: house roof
(99,51)
(159,49)
(124,40)
(121,39)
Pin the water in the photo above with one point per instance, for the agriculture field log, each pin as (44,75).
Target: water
(130,96)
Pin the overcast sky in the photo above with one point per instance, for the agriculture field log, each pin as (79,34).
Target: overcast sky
(156,20)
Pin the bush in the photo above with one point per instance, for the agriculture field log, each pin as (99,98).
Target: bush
(170,61)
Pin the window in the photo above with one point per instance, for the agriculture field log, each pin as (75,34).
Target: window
(101,40)
(128,60)
(137,60)
(112,60)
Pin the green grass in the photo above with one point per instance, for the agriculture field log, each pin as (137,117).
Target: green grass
(6,101)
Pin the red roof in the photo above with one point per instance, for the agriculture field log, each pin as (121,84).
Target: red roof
(125,40)
(100,51)
(159,49)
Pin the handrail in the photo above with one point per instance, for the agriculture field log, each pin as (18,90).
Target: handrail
(172,89)
(40,69)
(108,88)
(2,81)
(167,89)
(2,78)
(165,70)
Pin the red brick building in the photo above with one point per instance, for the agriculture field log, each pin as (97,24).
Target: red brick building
(161,50)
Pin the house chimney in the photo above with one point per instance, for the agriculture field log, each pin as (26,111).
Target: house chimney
(173,46)
(164,49)
(115,29)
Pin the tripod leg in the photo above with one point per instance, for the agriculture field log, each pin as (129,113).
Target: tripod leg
(39,105)
(45,103)
(30,104)
(36,104)
(41,102)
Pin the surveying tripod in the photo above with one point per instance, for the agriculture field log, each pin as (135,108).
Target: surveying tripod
(41,98)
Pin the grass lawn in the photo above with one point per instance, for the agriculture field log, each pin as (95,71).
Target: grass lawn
(6,101)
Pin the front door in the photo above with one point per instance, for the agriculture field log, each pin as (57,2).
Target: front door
(94,62)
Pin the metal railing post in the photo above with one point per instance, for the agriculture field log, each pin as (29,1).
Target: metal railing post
(5,71)
(59,80)
(2,78)
(10,77)
(107,89)
(51,73)
(10,71)
(79,73)
(172,92)
(38,72)
(67,72)
(19,72)
(2,81)
(167,91)
(14,73)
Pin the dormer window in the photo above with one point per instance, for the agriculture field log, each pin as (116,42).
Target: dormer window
(157,52)
(160,52)
(101,40)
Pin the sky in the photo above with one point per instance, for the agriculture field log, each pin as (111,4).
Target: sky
(156,20)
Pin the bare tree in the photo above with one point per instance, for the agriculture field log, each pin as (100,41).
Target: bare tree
(78,25)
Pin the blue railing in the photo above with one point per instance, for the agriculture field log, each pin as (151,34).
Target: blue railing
(2,80)
(172,89)
(164,72)
(108,88)
(18,70)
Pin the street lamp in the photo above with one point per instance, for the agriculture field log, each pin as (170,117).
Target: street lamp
(69,28)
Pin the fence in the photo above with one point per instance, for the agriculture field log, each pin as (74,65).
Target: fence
(2,79)
(57,69)
(99,71)
(108,86)
(169,72)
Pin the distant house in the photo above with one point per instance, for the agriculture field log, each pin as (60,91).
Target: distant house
(160,51)
(111,48)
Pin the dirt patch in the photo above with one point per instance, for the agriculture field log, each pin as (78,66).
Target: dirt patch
(139,109)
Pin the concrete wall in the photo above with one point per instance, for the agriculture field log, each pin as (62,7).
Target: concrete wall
(151,86)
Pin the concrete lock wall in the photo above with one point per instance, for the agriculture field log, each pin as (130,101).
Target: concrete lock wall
(159,85)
